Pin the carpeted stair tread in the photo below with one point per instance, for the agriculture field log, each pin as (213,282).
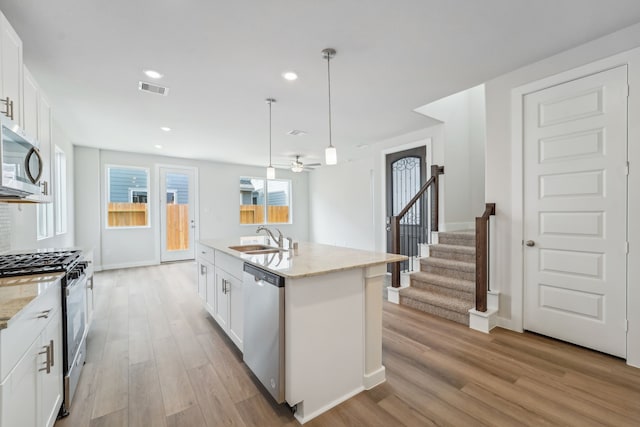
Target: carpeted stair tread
(468,267)
(462,238)
(443,281)
(453,252)
(438,300)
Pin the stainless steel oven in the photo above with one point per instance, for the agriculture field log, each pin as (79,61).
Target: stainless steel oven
(74,316)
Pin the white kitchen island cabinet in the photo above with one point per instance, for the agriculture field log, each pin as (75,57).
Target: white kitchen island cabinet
(30,351)
(332,318)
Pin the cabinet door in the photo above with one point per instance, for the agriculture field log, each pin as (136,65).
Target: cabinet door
(20,390)
(51,383)
(221,306)
(203,270)
(11,67)
(235,295)
(30,106)
(211,288)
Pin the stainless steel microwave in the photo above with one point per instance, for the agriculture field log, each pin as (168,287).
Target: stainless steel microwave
(21,163)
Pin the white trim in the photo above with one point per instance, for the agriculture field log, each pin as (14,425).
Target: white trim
(305,418)
(630,58)
(374,378)
(129,265)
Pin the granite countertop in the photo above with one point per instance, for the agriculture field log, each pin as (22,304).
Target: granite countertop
(17,292)
(310,259)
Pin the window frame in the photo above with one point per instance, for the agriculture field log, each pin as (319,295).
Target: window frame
(107,168)
(266,201)
(60,210)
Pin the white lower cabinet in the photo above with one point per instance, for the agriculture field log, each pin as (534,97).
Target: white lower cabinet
(220,287)
(31,394)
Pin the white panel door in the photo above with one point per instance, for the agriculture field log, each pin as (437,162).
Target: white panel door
(575,148)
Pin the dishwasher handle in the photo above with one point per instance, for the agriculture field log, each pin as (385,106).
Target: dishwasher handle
(263,275)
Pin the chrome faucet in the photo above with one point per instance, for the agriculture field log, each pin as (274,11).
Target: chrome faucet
(280,238)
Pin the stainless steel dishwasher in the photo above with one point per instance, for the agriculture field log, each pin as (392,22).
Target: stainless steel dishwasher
(263,339)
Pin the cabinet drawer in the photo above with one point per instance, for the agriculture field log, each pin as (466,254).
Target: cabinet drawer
(230,264)
(206,253)
(26,326)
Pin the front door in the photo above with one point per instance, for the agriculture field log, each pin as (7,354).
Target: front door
(177,214)
(575,204)
(406,173)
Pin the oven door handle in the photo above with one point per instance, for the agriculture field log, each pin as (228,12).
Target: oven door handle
(78,282)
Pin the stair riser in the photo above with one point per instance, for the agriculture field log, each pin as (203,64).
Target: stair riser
(461,295)
(435,310)
(453,256)
(458,241)
(447,272)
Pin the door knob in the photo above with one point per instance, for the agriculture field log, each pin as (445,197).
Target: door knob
(530,243)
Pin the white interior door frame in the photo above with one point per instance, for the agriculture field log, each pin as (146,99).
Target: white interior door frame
(196,207)
(632,60)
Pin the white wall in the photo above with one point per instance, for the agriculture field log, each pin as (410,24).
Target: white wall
(500,150)
(343,204)
(463,128)
(22,230)
(218,200)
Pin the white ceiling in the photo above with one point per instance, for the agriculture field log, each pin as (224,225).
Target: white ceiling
(221,59)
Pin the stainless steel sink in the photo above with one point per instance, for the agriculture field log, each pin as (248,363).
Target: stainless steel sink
(256,249)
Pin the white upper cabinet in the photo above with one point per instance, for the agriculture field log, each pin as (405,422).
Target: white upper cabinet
(10,71)
(45,143)
(30,105)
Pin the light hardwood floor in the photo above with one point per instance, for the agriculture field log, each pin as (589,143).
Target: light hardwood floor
(156,358)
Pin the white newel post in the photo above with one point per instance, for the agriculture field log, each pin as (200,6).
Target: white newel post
(374,372)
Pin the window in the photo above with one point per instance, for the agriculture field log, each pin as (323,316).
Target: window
(260,199)
(44,213)
(60,193)
(127,197)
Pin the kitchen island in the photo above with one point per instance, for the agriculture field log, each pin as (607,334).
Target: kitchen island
(332,317)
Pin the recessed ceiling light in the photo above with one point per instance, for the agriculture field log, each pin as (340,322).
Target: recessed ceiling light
(158,146)
(153,74)
(166,129)
(290,75)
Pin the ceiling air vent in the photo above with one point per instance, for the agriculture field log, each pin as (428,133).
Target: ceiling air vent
(149,87)
(296,132)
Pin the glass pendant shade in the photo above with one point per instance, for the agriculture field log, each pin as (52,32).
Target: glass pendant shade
(271,172)
(331,155)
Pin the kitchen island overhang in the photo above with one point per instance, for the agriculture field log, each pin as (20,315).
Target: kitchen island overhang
(333,319)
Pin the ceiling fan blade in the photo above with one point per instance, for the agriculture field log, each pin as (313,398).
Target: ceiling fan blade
(312,165)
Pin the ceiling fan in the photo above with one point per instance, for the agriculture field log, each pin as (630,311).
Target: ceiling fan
(297,165)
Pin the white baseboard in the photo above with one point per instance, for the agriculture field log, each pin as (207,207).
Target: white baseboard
(371,380)
(482,321)
(129,265)
(308,417)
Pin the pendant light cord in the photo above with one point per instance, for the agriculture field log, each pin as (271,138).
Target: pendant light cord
(329,84)
(270,133)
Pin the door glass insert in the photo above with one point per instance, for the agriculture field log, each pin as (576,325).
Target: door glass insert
(177,207)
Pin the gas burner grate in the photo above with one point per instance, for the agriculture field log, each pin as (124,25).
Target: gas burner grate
(37,262)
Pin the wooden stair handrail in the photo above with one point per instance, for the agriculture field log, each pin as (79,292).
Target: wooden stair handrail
(482,257)
(434,182)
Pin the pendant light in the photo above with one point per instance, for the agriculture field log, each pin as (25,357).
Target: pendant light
(330,154)
(271,171)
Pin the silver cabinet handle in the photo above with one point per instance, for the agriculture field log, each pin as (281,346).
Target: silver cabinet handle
(51,351)
(45,188)
(44,314)
(47,363)
(530,243)
(203,269)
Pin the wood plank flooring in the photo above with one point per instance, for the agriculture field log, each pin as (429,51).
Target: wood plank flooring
(156,358)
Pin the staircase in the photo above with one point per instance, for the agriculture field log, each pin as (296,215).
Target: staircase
(445,284)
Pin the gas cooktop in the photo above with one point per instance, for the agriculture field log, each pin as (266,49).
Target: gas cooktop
(37,262)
